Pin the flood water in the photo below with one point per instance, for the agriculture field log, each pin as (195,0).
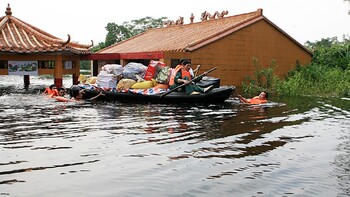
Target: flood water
(289,147)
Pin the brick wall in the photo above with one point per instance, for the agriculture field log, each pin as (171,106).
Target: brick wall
(233,55)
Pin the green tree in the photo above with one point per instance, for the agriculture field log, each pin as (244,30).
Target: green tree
(117,33)
(331,52)
(85,65)
(324,42)
(98,47)
(141,25)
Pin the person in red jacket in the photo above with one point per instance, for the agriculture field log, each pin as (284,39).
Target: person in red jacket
(262,98)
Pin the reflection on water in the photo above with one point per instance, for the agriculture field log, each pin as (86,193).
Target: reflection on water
(289,147)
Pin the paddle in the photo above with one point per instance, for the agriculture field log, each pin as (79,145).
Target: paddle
(182,85)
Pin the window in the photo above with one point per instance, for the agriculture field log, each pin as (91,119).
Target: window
(46,64)
(3,64)
(174,62)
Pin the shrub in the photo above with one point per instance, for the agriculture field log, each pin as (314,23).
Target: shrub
(263,79)
(316,80)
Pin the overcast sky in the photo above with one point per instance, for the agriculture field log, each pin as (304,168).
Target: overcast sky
(85,20)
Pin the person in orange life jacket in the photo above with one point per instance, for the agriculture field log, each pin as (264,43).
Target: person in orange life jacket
(181,61)
(62,95)
(54,93)
(49,90)
(183,76)
(61,92)
(262,98)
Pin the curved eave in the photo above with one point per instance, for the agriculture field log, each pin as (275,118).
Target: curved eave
(44,50)
(31,30)
(17,36)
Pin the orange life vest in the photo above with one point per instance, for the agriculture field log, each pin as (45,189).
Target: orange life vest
(184,73)
(256,100)
(173,74)
(48,91)
(54,93)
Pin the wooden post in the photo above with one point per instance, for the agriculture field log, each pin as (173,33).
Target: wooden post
(123,62)
(76,73)
(58,71)
(94,67)
(26,80)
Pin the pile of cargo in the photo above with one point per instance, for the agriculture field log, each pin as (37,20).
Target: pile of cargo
(131,76)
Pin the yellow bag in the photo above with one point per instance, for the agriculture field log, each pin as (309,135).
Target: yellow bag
(82,78)
(91,80)
(125,84)
(144,84)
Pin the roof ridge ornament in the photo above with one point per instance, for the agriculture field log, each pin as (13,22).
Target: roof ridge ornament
(92,44)
(207,16)
(68,40)
(8,10)
(204,16)
(192,18)
(179,21)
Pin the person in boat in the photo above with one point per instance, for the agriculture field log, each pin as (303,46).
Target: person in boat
(193,72)
(262,98)
(182,75)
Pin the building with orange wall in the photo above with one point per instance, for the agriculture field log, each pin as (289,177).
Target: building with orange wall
(23,44)
(227,42)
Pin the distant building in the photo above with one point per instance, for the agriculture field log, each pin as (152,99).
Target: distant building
(27,50)
(227,42)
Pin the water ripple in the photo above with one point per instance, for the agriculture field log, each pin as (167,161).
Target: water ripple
(297,147)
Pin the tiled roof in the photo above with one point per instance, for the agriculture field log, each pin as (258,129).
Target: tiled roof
(186,37)
(19,37)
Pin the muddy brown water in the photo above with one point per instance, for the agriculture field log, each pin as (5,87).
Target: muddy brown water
(289,147)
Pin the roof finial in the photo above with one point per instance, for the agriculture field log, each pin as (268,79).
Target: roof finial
(68,40)
(8,10)
(192,18)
